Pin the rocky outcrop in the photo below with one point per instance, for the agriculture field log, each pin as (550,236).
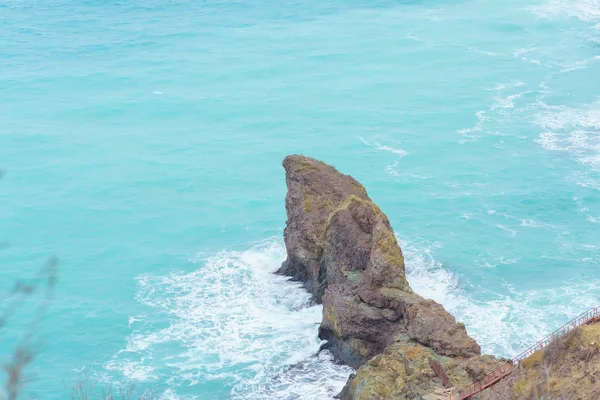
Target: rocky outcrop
(315,192)
(342,247)
(404,372)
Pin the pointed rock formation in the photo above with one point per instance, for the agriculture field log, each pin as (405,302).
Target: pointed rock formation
(342,247)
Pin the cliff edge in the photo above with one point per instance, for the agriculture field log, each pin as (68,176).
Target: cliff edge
(342,247)
(568,368)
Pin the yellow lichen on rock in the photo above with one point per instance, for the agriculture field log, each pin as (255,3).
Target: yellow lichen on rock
(404,372)
(329,316)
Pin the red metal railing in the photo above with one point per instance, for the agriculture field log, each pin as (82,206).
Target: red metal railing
(591,315)
(484,383)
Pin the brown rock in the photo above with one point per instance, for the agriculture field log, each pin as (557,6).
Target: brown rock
(315,191)
(404,372)
(342,247)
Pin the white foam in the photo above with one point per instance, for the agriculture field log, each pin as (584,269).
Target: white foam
(508,101)
(587,182)
(502,323)
(500,108)
(315,378)
(170,394)
(520,51)
(530,223)
(504,86)
(487,53)
(378,146)
(572,130)
(132,320)
(391,169)
(233,321)
(478,127)
(585,10)
(494,261)
(512,232)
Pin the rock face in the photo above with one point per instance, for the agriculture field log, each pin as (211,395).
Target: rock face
(342,247)
(404,372)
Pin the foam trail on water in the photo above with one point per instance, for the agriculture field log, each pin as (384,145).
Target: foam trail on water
(572,130)
(585,10)
(379,146)
(231,320)
(170,394)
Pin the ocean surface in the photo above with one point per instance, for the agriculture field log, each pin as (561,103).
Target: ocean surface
(142,141)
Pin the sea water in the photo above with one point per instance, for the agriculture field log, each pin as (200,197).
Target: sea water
(141,142)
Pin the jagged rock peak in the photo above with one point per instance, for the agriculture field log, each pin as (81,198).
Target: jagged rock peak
(342,247)
(322,202)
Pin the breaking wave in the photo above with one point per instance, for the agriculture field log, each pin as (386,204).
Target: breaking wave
(238,331)
(232,327)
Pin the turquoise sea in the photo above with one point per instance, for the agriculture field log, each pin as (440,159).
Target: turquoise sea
(141,142)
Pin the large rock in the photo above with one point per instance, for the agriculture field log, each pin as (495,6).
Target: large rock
(342,247)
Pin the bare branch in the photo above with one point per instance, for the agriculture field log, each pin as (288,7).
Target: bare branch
(23,354)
